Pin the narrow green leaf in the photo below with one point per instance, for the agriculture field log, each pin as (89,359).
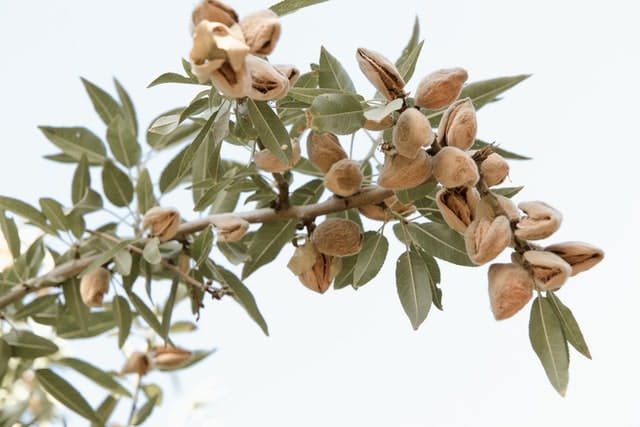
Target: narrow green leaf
(104,104)
(332,74)
(306,95)
(77,142)
(408,66)
(486,91)
(144,192)
(145,411)
(235,252)
(38,305)
(370,259)
(170,177)
(9,230)
(81,180)
(123,262)
(98,322)
(5,355)
(411,45)
(54,212)
(106,256)
(569,324)
(28,345)
(504,153)
(201,246)
(206,160)
(196,107)
(507,191)
(73,302)
(122,315)
(171,78)
(192,149)
(26,211)
(168,309)
(117,185)
(95,374)
(272,132)
(414,289)
(90,202)
(105,410)
(341,114)
(267,243)
(164,125)
(76,223)
(243,296)
(345,275)
(122,142)
(65,393)
(151,252)
(146,313)
(182,326)
(289,6)
(440,241)
(179,134)
(434,278)
(34,256)
(548,341)
(128,110)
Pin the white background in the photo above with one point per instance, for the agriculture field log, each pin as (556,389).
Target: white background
(351,358)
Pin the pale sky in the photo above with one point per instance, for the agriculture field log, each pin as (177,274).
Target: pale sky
(350,358)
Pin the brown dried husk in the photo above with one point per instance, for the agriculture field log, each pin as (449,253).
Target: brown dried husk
(261,30)
(380,211)
(169,357)
(267,82)
(230,228)
(494,169)
(162,222)
(580,256)
(232,83)
(344,178)
(214,11)
(453,167)
(382,74)
(458,206)
(214,45)
(337,237)
(94,285)
(267,161)
(458,126)
(138,363)
(549,271)
(485,238)
(440,88)
(412,132)
(510,289)
(324,150)
(540,222)
(290,72)
(401,173)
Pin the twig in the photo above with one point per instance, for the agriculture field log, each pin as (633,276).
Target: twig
(134,402)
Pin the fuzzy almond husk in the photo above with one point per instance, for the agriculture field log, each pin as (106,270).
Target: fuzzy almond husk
(162,222)
(303,258)
(453,167)
(458,206)
(170,357)
(344,178)
(290,72)
(412,132)
(268,162)
(322,272)
(485,208)
(215,44)
(381,72)
(377,125)
(261,30)
(459,126)
(267,82)
(550,271)
(214,11)
(579,255)
(440,88)
(510,289)
(337,237)
(401,173)
(94,285)
(138,363)
(230,228)
(324,150)
(380,211)
(486,238)
(494,169)
(232,83)
(540,222)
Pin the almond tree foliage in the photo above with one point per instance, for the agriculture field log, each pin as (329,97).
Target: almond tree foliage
(437,194)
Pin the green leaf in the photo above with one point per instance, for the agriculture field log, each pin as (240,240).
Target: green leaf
(201,246)
(332,74)
(168,309)
(345,275)
(179,134)
(370,259)
(128,110)
(81,180)
(106,107)
(144,192)
(106,256)
(90,202)
(9,230)
(243,296)
(122,315)
(145,411)
(28,345)
(54,213)
(26,211)
(408,66)
(196,107)
(98,323)
(151,252)
(192,149)
(164,125)
(341,114)
(77,142)
(407,53)
(171,78)
(182,326)
(306,95)
(414,289)
(73,302)
(569,324)
(507,191)
(65,393)
(170,176)
(5,355)
(421,191)
(38,305)
(434,278)
(105,410)
(289,6)
(146,313)
(117,185)
(76,223)
(486,91)
(235,252)
(272,132)
(122,142)
(548,341)
(207,164)
(504,153)
(95,374)
(440,241)
(267,243)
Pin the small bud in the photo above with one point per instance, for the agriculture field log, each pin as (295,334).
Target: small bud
(261,30)
(401,173)
(579,255)
(169,357)
(290,72)
(163,222)
(214,11)
(344,178)
(453,167)
(267,82)
(550,271)
(541,221)
(440,88)
(324,270)
(381,73)
(138,363)
(458,126)
(412,132)
(510,289)
(494,169)
(230,228)
(337,237)
(267,161)
(324,150)
(94,285)
(486,238)
(380,211)
(458,206)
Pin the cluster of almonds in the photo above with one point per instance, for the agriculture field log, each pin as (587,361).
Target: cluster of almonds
(163,357)
(231,53)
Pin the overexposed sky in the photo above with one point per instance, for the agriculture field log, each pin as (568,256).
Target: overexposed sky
(351,358)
